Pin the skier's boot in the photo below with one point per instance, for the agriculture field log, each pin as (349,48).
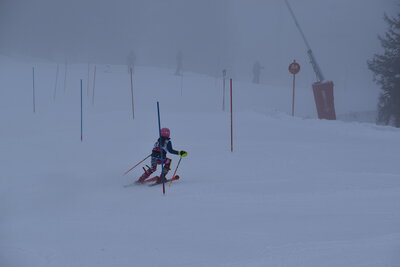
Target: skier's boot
(164,175)
(160,179)
(145,175)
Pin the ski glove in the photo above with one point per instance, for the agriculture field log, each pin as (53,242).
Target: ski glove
(183,153)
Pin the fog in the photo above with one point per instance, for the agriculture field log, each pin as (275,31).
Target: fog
(211,34)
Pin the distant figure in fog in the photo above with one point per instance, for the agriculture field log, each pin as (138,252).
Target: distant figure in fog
(179,59)
(256,72)
(131,61)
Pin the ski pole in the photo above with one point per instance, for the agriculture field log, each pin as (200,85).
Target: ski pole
(170,183)
(137,164)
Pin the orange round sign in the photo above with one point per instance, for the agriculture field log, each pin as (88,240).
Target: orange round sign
(294,67)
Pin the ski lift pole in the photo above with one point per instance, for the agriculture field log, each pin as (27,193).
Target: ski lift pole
(316,68)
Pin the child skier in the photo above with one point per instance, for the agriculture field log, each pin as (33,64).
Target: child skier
(156,156)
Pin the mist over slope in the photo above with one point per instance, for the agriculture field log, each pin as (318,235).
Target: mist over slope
(212,35)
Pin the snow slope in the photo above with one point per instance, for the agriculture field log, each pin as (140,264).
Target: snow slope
(295,191)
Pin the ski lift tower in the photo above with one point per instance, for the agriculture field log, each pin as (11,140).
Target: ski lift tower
(322,89)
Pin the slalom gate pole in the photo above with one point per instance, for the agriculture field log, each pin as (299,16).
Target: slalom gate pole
(65,76)
(94,84)
(223,95)
(231,118)
(137,164)
(179,162)
(88,76)
(223,89)
(182,84)
(133,107)
(81,113)
(33,87)
(55,86)
(161,153)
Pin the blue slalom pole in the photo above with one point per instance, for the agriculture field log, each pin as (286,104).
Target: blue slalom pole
(161,153)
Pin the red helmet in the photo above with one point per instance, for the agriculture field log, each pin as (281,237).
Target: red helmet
(165,132)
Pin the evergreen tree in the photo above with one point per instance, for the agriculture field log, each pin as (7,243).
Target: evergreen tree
(386,68)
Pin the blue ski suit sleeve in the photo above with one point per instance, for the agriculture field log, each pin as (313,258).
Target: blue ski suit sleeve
(170,149)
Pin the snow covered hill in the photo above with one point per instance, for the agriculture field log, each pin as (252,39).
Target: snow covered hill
(295,191)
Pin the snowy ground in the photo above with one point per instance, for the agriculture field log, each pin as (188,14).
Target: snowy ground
(295,192)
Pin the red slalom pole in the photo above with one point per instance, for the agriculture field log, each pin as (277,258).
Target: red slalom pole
(33,87)
(179,162)
(137,164)
(223,89)
(231,118)
(81,113)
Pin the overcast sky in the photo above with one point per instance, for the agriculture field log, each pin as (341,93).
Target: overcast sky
(212,34)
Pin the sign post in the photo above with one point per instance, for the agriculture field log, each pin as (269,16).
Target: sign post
(294,68)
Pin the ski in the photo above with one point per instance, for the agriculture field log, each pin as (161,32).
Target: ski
(153,179)
(166,181)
